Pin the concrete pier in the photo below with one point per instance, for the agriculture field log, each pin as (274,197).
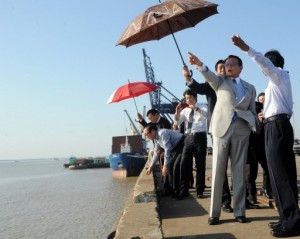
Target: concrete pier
(148,215)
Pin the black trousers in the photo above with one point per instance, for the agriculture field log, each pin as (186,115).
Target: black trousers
(174,170)
(279,139)
(194,146)
(260,153)
(251,173)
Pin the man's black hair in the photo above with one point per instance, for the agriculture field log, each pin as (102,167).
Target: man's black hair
(276,58)
(260,94)
(149,127)
(190,92)
(152,111)
(236,57)
(219,62)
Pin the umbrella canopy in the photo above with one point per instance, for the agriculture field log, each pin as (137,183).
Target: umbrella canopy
(131,90)
(166,18)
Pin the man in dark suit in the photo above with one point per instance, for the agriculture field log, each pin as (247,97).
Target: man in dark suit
(207,90)
(155,118)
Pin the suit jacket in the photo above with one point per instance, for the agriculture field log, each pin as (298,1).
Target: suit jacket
(208,91)
(226,103)
(163,123)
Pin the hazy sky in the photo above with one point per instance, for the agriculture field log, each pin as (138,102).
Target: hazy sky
(59,64)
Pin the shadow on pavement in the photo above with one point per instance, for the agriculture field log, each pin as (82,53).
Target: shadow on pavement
(207,236)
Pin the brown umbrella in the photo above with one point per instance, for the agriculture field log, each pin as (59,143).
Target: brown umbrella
(166,18)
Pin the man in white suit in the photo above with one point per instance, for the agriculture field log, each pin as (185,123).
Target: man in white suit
(231,124)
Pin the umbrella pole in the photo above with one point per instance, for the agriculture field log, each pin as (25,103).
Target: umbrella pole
(135,105)
(191,73)
(175,41)
(176,44)
(134,100)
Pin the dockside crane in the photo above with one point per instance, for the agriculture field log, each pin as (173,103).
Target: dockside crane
(136,131)
(155,97)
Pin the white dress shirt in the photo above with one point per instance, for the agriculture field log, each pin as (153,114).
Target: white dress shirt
(199,118)
(278,94)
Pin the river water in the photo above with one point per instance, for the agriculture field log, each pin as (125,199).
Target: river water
(42,199)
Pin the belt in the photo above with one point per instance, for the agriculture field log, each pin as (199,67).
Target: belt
(276,117)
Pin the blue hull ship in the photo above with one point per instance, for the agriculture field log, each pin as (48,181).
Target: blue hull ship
(127,164)
(128,156)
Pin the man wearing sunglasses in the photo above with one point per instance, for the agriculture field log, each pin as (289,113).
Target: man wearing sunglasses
(205,89)
(231,124)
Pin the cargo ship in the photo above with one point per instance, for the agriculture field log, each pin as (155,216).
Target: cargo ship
(128,156)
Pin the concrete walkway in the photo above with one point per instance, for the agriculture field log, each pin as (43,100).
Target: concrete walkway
(187,218)
(149,216)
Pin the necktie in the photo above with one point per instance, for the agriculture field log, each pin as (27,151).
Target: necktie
(234,117)
(239,89)
(191,119)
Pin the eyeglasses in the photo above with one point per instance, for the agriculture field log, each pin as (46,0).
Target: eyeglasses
(231,64)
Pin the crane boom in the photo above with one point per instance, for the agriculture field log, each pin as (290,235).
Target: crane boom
(132,123)
(155,96)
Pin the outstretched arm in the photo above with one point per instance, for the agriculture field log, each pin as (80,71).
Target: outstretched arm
(194,60)
(239,42)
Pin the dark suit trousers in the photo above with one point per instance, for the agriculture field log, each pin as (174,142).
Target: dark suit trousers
(194,146)
(251,173)
(261,157)
(279,138)
(174,170)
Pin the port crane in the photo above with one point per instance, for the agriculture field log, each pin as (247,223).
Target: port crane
(165,109)
(133,127)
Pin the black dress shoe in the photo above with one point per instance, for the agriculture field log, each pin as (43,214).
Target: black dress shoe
(213,221)
(267,193)
(227,208)
(182,195)
(274,225)
(250,205)
(174,194)
(283,232)
(252,201)
(200,195)
(241,219)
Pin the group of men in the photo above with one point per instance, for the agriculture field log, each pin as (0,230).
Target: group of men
(233,115)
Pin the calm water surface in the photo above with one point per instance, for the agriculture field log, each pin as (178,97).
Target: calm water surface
(42,199)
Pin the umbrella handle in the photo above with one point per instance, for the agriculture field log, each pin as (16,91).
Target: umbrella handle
(191,73)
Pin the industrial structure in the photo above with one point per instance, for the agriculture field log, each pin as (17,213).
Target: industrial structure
(156,96)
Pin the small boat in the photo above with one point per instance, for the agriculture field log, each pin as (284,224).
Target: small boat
(78,166)
(128,156)
(90,162)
